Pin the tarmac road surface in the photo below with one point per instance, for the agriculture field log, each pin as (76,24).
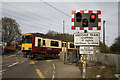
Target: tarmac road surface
(16,66)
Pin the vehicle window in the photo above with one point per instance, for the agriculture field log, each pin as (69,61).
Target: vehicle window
(54,43)
(27,39)
(43,42)
(71,45)
(62,44)
(39,42)
(30,39)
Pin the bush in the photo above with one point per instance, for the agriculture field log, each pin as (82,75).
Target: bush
(104,48)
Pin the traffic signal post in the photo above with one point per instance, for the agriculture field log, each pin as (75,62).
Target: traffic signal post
(84,62)
(85,42)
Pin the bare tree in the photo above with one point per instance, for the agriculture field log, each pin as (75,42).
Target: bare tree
(10,30)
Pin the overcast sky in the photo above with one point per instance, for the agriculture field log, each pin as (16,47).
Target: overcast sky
(40,17)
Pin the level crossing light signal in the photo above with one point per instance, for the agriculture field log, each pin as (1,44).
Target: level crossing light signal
(92,17)
(86,20)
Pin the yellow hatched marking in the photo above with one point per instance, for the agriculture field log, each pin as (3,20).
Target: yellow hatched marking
(39,73)
(32,62)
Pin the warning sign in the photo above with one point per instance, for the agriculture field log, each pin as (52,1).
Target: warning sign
(86,38)
(86,50)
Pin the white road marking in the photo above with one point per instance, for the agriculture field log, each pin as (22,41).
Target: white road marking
(53,72)
(22,62)
(46,71)
(53,66)
(53,77)
(2,70)
(13,64)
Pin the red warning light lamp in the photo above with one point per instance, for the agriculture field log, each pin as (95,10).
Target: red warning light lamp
(92,17)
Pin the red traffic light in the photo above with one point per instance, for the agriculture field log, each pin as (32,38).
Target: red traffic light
(92,16)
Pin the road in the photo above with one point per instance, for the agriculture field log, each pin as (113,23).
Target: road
(16,66)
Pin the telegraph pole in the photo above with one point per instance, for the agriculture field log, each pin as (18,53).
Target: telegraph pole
(63,26)
(104,31)
(64,53)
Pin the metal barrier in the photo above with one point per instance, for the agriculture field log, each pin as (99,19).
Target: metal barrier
(108,59)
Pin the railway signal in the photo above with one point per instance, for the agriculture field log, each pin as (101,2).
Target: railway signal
(92,17)
(86,20)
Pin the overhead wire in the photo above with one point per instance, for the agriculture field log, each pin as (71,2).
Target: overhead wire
(36,15)
(39,19)
(28,17)
(55,8)
(33,22)
(34,25)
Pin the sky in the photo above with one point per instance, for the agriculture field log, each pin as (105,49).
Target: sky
(44,15)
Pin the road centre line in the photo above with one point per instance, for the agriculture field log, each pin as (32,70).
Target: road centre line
(39,73)
(53,66)
(22,62)
(13,64)
(47,70)
(53,77)
(2,70)
(53,72)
